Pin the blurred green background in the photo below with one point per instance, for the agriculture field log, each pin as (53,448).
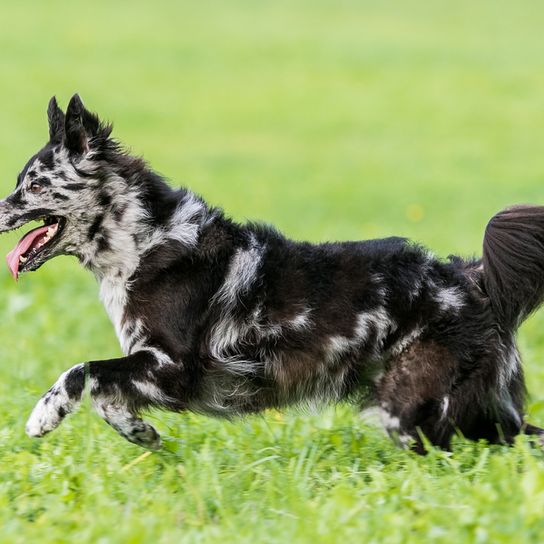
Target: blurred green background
(331,120)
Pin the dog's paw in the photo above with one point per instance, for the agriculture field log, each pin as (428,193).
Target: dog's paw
(59,401)
(143,434)
(127,423)
(49,411)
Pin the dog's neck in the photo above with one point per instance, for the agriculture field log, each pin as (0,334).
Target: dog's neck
(142,212)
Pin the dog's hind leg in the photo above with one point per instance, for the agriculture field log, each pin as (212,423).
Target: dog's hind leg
(491,408)
(127,423)
(119,389)
(420,394)
(414,396)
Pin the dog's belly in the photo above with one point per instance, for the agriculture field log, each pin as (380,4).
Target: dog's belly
(225,395)
(258,373)
(239,386)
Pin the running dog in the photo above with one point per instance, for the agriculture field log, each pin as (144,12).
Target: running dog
(229,319)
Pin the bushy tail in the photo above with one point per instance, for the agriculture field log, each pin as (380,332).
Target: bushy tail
(513,262)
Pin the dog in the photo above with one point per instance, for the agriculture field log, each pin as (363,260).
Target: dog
(228,319)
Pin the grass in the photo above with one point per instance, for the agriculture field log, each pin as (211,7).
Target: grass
(332,120)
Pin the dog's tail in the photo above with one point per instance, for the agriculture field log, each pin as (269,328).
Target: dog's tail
(513,263)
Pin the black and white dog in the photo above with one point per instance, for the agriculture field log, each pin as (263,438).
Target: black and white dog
(228,319)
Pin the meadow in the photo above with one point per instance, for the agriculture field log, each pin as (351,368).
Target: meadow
(331,120)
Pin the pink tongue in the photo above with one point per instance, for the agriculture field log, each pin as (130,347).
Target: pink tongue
(27,241)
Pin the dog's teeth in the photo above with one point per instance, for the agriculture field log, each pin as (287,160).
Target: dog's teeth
(23,259)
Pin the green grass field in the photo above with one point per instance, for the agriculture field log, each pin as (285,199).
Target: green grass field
(332,120)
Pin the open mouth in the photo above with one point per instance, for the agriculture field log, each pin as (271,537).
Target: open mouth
(26,255)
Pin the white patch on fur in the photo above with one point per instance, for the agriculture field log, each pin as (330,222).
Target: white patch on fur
(225,334)
(509,366)
(183,228)
(376,321)
(372,416)
(160,356)
(406,341)
(149,390)
(113,294)
(444,406)
(450,298)
(338,345)
(241,274)
(132,335)
(237,366)
(390,423)
(301,321)
(380,417)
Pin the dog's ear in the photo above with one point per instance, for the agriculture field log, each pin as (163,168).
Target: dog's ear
(80,126)
(56,121)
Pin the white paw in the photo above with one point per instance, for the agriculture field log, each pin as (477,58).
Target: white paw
(49,412)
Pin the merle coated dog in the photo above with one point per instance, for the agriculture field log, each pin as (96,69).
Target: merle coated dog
(227,319)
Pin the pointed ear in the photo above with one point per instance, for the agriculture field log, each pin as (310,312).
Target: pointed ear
(56,121)
(75,137)
(80,126)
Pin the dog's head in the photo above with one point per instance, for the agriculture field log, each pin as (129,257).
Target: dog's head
(60,187)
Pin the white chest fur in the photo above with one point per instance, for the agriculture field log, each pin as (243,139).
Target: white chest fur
(113,294)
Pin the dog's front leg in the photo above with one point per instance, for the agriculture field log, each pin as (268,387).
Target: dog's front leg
(63,398)
(119,388)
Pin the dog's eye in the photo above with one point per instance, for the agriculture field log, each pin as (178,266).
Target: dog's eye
(35,187)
